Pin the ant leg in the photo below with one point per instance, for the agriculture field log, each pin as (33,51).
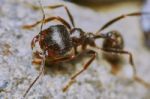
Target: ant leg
(55,7)
(61,20)
(67,10)
(119,18)
(141,81)
(123,52)
(34,40)
(42,68)
(36,61)
(63,59)
(41,72)
(37,58)
(135,77)
(37,55)
(72,79)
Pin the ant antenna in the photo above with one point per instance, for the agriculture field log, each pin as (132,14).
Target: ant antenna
(41,72)
(43,60)
(43,15)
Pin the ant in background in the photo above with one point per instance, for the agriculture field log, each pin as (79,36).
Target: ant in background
(61,43)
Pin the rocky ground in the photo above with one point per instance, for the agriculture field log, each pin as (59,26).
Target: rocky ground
(17,72)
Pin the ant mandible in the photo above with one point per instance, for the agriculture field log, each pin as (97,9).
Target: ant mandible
(58,41)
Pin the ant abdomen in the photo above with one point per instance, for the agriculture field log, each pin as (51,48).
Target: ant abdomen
(118,42)
(56,40)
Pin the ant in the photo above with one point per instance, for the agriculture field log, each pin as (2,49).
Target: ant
(61,43)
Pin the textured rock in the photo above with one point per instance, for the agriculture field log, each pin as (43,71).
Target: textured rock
(17,72)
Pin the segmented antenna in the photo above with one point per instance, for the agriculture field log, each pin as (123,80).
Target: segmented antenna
(43,60)
(43,15)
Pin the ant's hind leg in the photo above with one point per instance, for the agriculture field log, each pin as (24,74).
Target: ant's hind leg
(55,7)
(72,79)
(67,10)
(59,19)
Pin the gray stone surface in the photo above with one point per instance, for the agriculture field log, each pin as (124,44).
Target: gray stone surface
(17,72)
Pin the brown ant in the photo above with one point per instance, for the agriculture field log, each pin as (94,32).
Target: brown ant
(60,43)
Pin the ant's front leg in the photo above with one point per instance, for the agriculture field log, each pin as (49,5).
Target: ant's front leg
(135,77)
(34,40)
(37,55)
(123,52)
(37,59)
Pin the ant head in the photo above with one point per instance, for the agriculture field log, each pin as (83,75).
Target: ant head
(113,35)
(114,40)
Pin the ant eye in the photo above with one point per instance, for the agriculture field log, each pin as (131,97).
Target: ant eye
(109,34)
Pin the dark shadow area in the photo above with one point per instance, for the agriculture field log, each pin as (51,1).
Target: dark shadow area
(99,3)
(65,68)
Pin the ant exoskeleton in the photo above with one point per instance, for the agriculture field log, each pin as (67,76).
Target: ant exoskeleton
(60,43)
